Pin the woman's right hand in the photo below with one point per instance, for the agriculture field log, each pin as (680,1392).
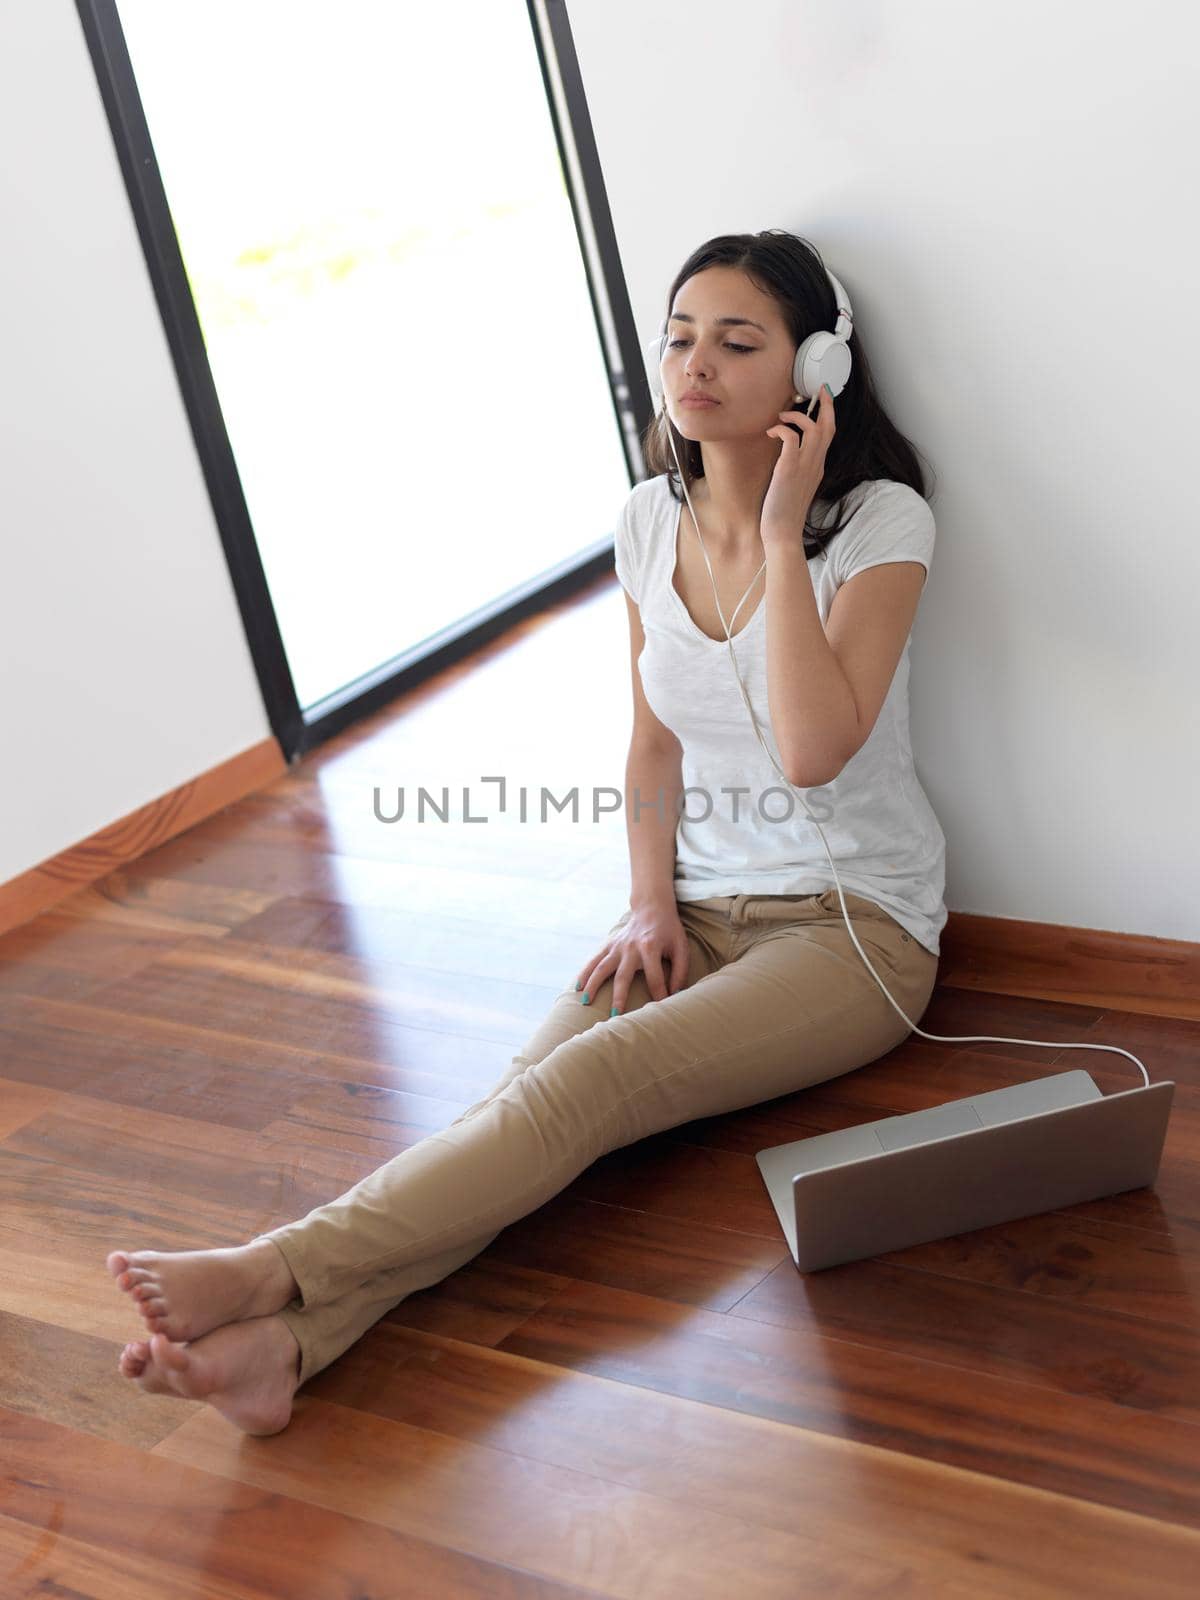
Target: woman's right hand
(652,934)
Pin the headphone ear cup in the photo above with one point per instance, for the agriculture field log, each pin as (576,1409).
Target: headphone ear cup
(822,358)
(798,385)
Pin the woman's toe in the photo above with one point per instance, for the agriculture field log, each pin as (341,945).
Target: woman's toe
(171,1357)
(132,1364)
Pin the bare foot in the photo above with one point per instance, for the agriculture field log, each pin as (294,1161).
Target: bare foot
(246,1370)
(187,1293)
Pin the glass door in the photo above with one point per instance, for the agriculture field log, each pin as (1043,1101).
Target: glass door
(371,211)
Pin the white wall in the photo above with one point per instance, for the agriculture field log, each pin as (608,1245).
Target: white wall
(124,665)
(1001,188)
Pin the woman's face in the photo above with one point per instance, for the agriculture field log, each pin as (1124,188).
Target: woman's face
(744,364)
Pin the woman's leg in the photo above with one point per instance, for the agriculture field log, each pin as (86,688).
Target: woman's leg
(326,1318)
(792,1005)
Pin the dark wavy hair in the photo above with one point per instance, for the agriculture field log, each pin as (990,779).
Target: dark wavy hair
(867,443)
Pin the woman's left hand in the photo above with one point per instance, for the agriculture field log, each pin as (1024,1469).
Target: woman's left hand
(798,472)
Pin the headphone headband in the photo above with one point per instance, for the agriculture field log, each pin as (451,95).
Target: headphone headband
(844,325)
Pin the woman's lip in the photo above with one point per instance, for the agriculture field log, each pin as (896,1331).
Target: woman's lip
(697,400)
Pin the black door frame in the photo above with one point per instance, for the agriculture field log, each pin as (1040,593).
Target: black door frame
(296,730)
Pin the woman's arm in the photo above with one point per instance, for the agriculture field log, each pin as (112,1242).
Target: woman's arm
(653,784)
(813,714)
(826,684)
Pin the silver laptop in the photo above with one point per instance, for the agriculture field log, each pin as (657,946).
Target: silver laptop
(905,1180)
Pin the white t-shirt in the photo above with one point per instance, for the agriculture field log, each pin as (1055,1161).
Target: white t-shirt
(883,833)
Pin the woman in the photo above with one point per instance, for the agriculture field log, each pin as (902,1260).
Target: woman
(766,992)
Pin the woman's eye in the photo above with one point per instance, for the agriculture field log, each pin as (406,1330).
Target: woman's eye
(744,349)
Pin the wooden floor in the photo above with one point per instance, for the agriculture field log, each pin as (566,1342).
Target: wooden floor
(632,1392)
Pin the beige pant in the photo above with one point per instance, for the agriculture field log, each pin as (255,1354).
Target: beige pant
(777,998)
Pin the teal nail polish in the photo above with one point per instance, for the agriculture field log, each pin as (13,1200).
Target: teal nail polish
(614,1012)
(577,988)
(585,999)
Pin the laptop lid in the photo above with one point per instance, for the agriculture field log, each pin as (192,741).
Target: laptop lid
(967,1164)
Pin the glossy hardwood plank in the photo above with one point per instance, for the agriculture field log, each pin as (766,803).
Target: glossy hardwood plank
(185,1069)
(948,1321)
(520,1509)
(410,826)
(38,1197)
(164,905)
(254,988)
(37,1561)
(62,1040)
(68,1375)
(59,1280)
(494,1453)
(127,1513)
(184,1158)
(367,1121)
(480,1304)
(497,900)
(60,1046)
(81,956)
(444,943)
(21,1102)
(814,1373)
